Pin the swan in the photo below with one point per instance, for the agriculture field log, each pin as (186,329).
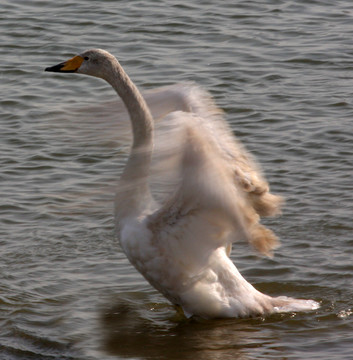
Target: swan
(181,243)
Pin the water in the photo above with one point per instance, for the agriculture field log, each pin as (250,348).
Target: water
(281,70)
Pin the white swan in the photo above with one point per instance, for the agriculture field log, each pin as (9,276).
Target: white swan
(182,245)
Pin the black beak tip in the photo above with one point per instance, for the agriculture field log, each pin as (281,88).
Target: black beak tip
(55,68)
(59,68)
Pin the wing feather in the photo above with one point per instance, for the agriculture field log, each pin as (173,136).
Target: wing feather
(206,186)
(205,190)
(246,172)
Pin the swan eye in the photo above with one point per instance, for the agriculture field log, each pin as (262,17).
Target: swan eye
(86,58)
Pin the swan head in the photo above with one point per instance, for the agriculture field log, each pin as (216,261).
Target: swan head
(94,62)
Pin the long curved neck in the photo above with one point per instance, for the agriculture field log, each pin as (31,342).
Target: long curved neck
(134,179)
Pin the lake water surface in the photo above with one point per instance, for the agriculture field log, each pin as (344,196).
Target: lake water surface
(283,73)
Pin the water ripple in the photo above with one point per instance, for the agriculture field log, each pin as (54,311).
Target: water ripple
(281,71)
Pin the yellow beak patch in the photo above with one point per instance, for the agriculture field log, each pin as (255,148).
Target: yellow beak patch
(72,64)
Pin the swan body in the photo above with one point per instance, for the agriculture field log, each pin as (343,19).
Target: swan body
(181,242)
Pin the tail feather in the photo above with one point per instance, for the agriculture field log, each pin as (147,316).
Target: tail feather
(286,304)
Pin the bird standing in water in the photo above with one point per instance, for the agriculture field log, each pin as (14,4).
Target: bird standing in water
(181,243)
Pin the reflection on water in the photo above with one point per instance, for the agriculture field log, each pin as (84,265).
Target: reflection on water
(129,334)
(132,328)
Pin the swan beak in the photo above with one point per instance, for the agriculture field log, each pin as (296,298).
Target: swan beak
(68,66)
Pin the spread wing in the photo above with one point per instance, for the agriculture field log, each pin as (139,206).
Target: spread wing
(190,98)
(197,154)
(208,209)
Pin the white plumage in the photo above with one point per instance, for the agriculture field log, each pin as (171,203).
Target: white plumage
(213,195)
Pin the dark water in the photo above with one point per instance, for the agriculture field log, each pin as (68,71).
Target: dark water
(281,70)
